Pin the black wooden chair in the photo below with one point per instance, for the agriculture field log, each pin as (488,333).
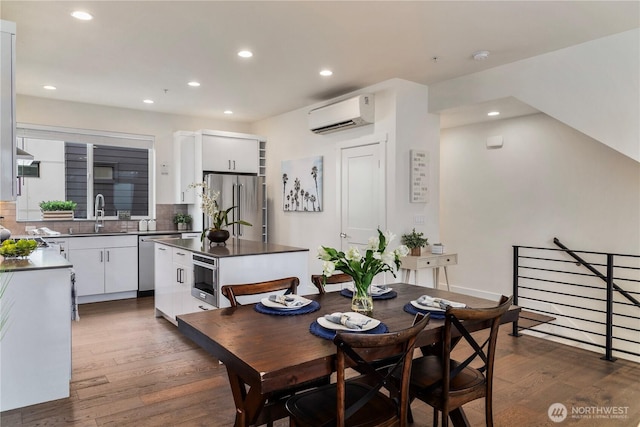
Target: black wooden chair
(359,401)
(447,384)
(319,280)
(289,285)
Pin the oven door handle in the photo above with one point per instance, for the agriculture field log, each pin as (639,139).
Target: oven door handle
(205,265)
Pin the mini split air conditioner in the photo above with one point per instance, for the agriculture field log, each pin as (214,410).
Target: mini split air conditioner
(350,113)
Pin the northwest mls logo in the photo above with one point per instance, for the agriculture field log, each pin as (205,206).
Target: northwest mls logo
(557,412)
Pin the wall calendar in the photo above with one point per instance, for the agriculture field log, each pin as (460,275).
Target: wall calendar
(419,176)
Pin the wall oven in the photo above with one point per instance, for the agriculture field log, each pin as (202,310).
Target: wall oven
(205,279)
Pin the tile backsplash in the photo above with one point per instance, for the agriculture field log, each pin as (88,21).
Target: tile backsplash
(164,221)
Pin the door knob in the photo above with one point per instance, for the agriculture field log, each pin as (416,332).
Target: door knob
(343,235)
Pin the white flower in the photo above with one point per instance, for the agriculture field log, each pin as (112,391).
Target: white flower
(389,236)
(328,267)
(402,251)
(388,258)
(353,254)
(374,242)
(377,255)
(323,254)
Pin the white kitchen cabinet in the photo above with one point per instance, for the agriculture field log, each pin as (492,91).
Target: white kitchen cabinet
(8,166)
(174,279)
(36,348)
(184,154)
(229,154)
(106,267)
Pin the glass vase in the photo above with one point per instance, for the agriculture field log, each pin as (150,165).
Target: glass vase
(362,301)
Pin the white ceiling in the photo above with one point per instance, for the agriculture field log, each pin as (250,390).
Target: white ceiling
(134,50)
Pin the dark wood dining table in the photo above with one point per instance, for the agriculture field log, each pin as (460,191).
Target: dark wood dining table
(266,353)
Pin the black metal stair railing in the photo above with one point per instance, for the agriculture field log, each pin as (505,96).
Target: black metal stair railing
(586,297)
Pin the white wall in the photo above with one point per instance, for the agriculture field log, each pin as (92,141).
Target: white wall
(44,111)
(402,119)
(593,87)
(547,181)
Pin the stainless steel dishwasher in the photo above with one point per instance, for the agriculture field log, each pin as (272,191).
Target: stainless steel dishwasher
(146,264)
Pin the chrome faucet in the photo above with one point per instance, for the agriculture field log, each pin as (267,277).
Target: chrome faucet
(98,212)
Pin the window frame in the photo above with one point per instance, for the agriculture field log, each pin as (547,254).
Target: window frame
(94,137)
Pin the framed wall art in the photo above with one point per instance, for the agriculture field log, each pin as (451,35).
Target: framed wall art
(302,185)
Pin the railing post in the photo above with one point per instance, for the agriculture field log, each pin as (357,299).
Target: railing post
(609,324)
(514,331)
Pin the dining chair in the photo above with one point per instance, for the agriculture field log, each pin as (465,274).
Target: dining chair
(288,284)
(447,384)
(320,280)
(359,401)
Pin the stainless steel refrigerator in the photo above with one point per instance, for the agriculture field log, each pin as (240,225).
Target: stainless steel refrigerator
(247,193)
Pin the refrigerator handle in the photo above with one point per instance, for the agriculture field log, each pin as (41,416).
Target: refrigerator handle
(240,198)
(235,200)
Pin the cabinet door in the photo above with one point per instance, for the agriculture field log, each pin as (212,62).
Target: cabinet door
(224,154)
(164,280)
(184,153)
(89,267)
(120,269)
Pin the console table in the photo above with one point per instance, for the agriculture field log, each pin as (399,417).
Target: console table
(428,260)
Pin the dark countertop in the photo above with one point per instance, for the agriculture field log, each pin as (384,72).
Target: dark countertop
(40,259)
(108,233)
(234,247)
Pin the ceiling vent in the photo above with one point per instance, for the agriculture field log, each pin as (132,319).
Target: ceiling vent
(347,114)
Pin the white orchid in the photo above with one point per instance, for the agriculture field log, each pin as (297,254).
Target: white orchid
(353,254)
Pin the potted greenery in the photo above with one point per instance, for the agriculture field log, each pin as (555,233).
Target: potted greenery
(182,220)
(58,209)
(414,241)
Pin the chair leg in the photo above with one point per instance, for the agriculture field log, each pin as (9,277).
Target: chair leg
(435,417)
(488,407)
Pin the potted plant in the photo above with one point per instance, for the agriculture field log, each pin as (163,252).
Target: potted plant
(182,220)
(57,209)
(217,232)
(414,241)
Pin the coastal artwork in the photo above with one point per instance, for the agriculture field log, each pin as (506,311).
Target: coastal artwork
(302,185)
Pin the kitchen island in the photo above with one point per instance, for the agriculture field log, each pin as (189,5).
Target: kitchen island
(182,287)
(36,347)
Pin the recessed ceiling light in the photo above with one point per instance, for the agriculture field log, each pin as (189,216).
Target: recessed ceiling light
(49,87)
(228,112)
(326,73)
(148,101)
(480,55)
(493,113)
(193,84)
(83,16)
(245,54)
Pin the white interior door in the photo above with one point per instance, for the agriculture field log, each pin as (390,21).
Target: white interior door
(362,193)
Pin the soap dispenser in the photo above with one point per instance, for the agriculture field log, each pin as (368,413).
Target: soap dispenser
(142,225)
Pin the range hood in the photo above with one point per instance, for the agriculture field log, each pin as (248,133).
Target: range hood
(23,158)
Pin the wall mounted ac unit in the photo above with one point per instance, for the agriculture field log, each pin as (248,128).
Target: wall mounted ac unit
(350,113)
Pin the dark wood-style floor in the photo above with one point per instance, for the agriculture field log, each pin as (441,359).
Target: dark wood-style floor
(131,369)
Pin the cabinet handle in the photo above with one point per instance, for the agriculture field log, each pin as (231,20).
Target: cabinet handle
(162,249)
(203,308)
(234,165)
(229,164)
(101,257)
(107,256)
(182,195)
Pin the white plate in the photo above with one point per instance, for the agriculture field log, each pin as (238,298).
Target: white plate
(330,325)
(424,307)
(271,304)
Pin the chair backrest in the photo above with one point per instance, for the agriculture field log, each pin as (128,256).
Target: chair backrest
(288,284)
(320,280)
(455,318)
(364,350)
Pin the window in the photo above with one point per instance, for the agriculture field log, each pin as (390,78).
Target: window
(79,164)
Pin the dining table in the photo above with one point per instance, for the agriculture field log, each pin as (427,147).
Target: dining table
(266,353)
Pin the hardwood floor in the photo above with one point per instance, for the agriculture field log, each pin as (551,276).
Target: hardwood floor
(131,369)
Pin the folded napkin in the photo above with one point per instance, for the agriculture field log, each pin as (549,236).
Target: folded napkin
(350,322)
(379,289)
(441,303)
(286,300)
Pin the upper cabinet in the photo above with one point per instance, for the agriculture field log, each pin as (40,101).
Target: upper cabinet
(235,154)
(184,154)
(7,111)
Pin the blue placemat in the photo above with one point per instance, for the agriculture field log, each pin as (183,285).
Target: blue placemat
(330,334)
(309,308)
(388,295)
(409,308)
